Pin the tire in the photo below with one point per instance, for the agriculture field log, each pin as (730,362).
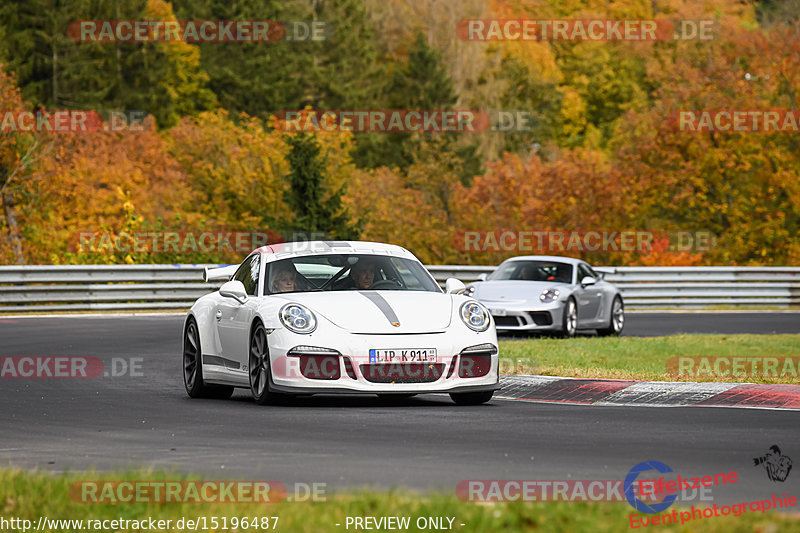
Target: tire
(471,398)
(193,367)
(617,320)
(259,368)
(569,320)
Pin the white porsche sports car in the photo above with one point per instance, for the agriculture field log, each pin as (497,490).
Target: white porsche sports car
(338,317)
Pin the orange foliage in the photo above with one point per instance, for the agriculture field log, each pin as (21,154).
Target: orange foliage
(95,182)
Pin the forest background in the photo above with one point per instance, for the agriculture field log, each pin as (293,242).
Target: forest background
(600,153)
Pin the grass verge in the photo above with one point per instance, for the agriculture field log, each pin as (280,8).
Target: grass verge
(29,496)
(645,358)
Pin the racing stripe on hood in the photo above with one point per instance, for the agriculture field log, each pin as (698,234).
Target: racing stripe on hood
(381,303)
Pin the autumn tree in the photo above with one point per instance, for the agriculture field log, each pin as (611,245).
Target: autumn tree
(19,151)
(103,183)
(236,168)
(740,185)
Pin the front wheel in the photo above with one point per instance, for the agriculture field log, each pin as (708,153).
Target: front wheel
(617,320)
(471,398)
(569,324)
(259,367)
(193,367)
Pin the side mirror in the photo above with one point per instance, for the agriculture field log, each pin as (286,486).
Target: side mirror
(234,289)
(588,280)
(219,274)
(482,277)
(454,286)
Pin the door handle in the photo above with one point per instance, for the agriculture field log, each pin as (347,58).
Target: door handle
(219,315)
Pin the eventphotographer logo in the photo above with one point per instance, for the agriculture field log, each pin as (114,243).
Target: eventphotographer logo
(630,481)
(669,488)
(777,465)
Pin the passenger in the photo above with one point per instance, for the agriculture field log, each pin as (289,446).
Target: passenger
(283,279)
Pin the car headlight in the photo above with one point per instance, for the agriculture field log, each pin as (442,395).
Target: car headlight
(298,318)
(470,290)
(549,295)
(475,316)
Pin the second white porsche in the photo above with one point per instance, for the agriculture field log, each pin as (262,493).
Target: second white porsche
(338,317)
(550,294)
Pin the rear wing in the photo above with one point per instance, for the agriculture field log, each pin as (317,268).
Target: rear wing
(219,274)
(603,271)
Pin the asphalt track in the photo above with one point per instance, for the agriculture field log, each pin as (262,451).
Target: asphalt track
(422,443)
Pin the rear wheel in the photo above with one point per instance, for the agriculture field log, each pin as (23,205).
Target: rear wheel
(259,366)
(471,398)
(617,320)
(569,324)
(193,367)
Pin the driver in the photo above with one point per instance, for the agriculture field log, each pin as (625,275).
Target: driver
(528,273)
(363,274)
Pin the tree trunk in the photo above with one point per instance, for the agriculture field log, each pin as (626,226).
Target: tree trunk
(13,227)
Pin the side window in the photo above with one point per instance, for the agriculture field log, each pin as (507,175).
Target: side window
(584,271)
(409,279)
(248,274)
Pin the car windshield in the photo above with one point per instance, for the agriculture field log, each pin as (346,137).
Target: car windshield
(343,272)
(534,271)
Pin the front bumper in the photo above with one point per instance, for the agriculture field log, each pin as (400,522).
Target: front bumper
(549,318)
(346,367)
(344,390)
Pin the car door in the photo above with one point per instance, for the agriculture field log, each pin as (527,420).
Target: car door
(233,319)
(590,297)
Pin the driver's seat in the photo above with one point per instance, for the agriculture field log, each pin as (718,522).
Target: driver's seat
(344,284)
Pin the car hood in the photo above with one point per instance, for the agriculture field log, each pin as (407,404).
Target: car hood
(515,291)
(375,311)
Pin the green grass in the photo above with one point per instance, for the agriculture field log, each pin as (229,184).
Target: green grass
(31,495)
(641,358)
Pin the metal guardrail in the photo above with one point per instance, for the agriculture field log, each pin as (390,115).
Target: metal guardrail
(101,287)
(687,287)
(157,287)
(683,287)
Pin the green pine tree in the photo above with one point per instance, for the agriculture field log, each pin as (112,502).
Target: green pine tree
(340,72)
(57,72)
(316,208)
(422,84)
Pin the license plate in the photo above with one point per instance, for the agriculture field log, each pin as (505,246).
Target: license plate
(498,312)
(403,355)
